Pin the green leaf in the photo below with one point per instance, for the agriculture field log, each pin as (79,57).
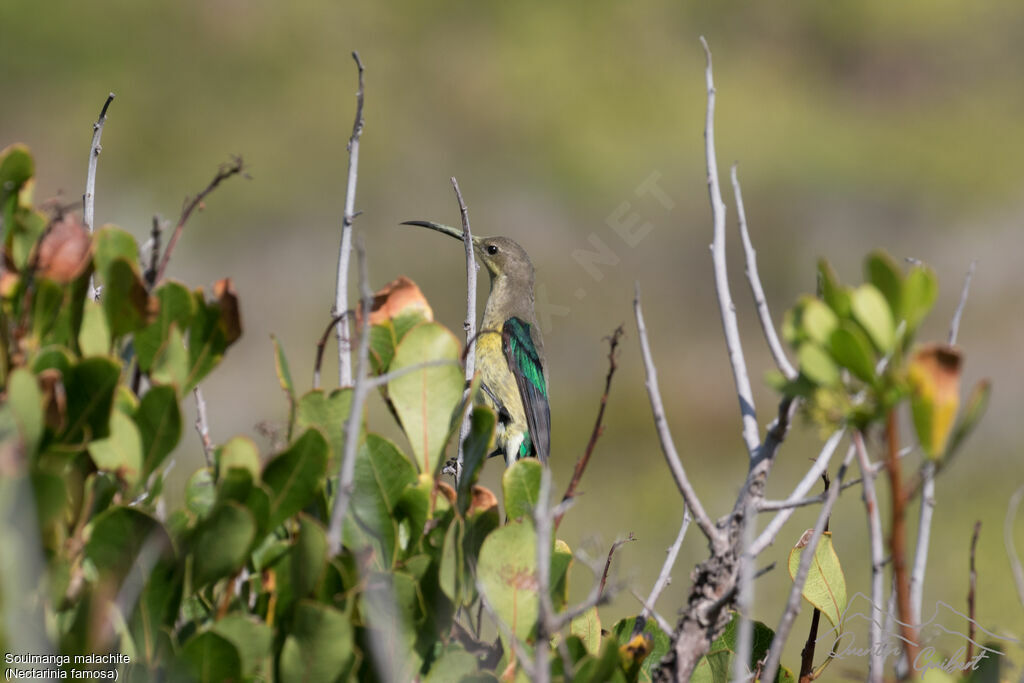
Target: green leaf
(852,350)
(318,647)
(920,290)
(125,299)
(159,420)
(453,665)
(816,365)
(520,485)
(977,404)
(170,366)
(587,627)
(284,377)
(605,666)
(118,536)
(328,413)
(176,307)
(452,573)
(382,474)
(425,400)
(111,243)
(561,559)
(717,664)
(881,271)
(155,612)
(209,657)
(507,571)
(121,451)
(295,475)
(817,320)
(250,636)
(94,337)
(310,556)
(16,169)
(90,386)
(478,444)
(200,492)
(215,326)
(26,403)
(831,291)
(46,304)
(239,452)
(825,588)
(221,543)
(872,311)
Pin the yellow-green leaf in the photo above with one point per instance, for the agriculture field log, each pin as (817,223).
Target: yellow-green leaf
(825,587)
(934,375)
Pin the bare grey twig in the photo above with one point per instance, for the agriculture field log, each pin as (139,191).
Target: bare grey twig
(767,537)
(355,414)
(469,325)
(668,446)
(89,198)
(954,326)
(665,575)
(726,307)
(345,249)
(868,474)
(771,666)
(1011,547)
(764,315)
(203,427)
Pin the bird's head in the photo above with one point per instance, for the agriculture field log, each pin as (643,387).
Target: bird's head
(501,255)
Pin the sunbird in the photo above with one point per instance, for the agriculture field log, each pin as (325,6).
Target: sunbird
(509,349)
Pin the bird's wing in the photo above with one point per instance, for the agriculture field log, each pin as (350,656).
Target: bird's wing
(524,362)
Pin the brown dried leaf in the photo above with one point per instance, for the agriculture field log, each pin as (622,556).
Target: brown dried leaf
(399,297)
(230,315)
(483,500)
(64,251)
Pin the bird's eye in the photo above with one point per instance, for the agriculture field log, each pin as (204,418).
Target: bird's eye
(491,249)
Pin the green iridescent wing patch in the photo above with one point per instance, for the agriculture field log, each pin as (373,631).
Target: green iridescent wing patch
(524,362)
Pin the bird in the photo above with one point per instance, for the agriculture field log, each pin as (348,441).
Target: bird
(509,349)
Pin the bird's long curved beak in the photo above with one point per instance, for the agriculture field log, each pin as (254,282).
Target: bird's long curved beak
(446,229)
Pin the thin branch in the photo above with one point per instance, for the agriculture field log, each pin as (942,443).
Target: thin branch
(322,343)
(868,474)
(346,474)
(224,171)
(344,251)
(767,537)
(665,575)
(202,426)
(1011,547)
(668,446)
(973,581)
(763,312)
(796,592)
(581,464)
(469,325)
(924,529)
(926,480)
(898,540)
(89,198)
(775,505)
(545,608)
(726,307)
(651,614)
(608,562)
(154,252)
(954,326)
(745,595)
(381,380)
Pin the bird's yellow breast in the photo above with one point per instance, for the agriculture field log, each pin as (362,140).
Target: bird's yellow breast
(493,367)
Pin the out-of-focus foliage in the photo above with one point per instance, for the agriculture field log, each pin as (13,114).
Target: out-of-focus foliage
(239,584)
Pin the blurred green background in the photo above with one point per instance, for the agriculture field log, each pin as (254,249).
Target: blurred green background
(856,124)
